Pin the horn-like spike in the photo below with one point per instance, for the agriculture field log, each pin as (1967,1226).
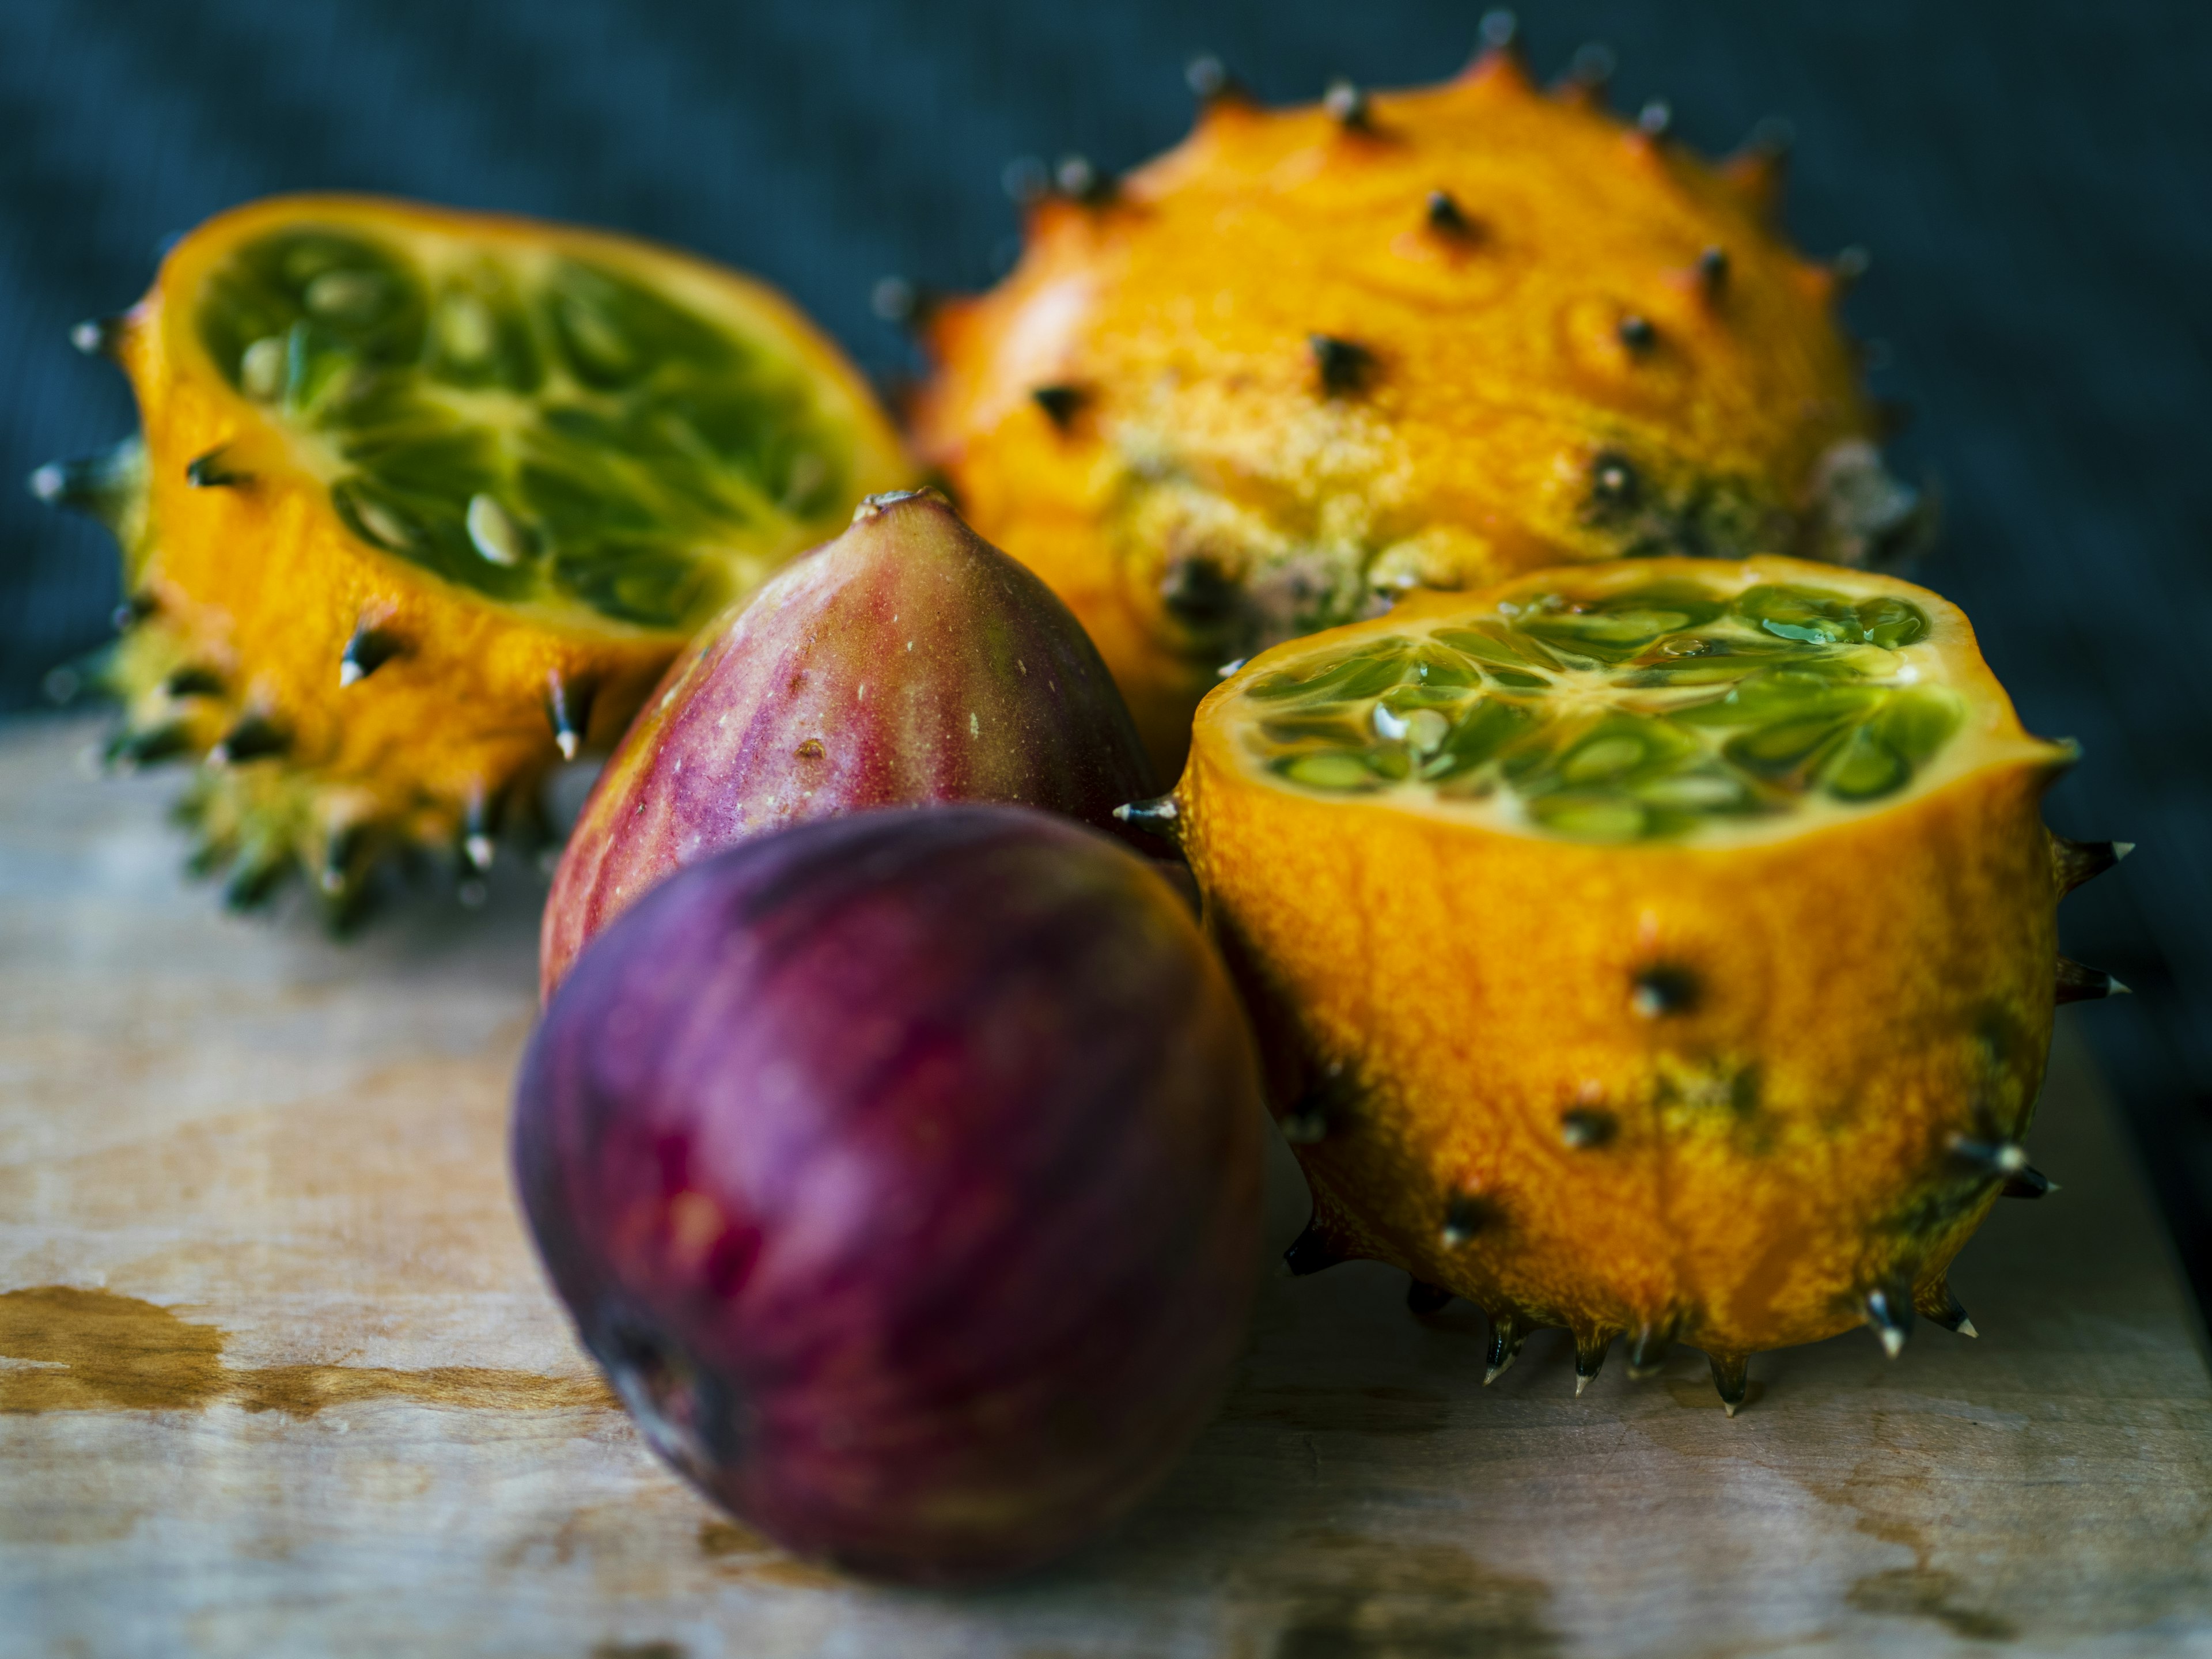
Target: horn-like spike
(1425,1298)
(1888,1311)
(260,871)
(1589,1357)
(1465,1214)
(207,471)
(99,337)
(1159,816)
(2030,1182)
(1990,1156)
(1588,73)
(567,712)
(1655,118)
(1310,1253)
(1080,181)
(1508,1331)
(253,736)
(340,848)
(1940,1306)
(369,650)
(1211,83)
(193,681)
(1759,172)
(2073,862)
(1586,1127)
(148,746)
(1060,402)
(91,484)
(1346,103)
(1345,366)
(1446,218)
(1731,1378)
(477,846)
(1713,273)
(2079,982)
(1648,1351)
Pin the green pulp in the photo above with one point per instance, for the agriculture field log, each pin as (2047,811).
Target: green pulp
(556,431)
(1648,714)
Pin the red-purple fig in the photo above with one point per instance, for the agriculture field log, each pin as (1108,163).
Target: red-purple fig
(902,1171)
(907,661)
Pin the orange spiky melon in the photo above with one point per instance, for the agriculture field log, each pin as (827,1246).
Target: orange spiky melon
(1315,358)
(425,501)
(1661,949)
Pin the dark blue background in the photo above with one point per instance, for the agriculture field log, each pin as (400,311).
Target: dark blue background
(2035,182)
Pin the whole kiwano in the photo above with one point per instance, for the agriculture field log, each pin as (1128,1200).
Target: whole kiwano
(902,1172)
(1412,339)
(906,662)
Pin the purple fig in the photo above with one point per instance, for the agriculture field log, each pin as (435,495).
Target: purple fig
(902,1171)
(907,661)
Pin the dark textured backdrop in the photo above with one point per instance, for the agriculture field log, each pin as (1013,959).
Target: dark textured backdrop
(2035,181)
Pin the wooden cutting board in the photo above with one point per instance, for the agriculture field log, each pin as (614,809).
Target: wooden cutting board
(278,1374)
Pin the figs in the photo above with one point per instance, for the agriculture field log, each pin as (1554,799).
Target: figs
(902,1172)
(906,662)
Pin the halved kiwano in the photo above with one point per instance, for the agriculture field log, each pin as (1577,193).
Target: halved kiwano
(433,498)
(1663,949)
(1643,708)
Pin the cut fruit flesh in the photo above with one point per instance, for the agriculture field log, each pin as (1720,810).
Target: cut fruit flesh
(425,501)
(541,427)
(1615,705)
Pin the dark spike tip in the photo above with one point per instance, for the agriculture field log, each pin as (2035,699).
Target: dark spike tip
(1061,402)
(134,610)
(2079,982)
(148,746)
(1647,1350)
(1655,119)
(1947,1311)
(99,337)
(256,877)
(1210,81)
(1591,69)
(1159,816)
(1079,179)
(1310,1253)
(2029,1183)
(369,650)
(79,484)
(1731,1379)
(905,304)
(1988,1155)
(207,471)
(253,736)
(1345,366)
(1585,1128)
(1614,483)
(1347,105)
(1508,1332)
(1425,1298)
(1888,1314)
(193,681)
(1465,1214)
(1713,271)
(2073,862)
(1447,219)
(1590,1359)
(1638,334)
(1499,30)
(1662,990)
(568,711)
(1851,266)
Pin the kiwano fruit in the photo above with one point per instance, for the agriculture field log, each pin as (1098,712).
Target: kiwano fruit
(1664,948)
(907,661)
(426,500)
(902,1171)
(1399,340)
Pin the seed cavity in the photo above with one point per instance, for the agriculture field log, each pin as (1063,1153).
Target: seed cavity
(1466,1215)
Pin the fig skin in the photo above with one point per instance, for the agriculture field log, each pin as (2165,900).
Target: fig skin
(902,1171)
(906,662)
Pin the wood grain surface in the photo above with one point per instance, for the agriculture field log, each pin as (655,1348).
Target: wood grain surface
(278,1374)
